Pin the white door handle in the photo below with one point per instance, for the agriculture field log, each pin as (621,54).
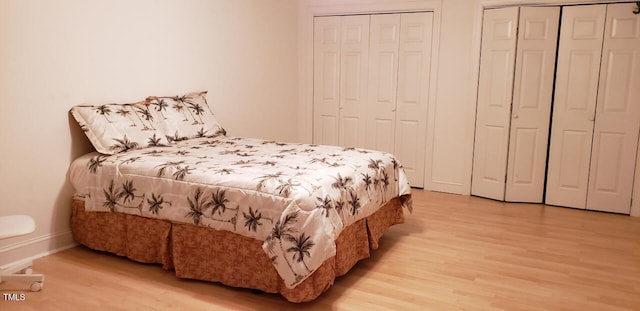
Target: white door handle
(515,116)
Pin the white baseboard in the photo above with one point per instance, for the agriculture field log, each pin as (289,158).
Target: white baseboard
(35,248)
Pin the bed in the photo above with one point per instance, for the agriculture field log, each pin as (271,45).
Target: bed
(167,185)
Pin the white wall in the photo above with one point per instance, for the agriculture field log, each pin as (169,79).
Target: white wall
(56,54)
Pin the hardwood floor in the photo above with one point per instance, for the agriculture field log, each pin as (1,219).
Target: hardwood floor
(454,252)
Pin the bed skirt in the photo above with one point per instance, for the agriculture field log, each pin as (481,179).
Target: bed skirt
(219,256)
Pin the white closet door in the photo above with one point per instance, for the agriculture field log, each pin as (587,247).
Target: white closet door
(577,77)
(326,80)
(383,81)
(354,62)
(497,61)
(617,113)
(413,94)
(531,109)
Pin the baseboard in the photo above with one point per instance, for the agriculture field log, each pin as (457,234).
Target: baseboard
(35,248)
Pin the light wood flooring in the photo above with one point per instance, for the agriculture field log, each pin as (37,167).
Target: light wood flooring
(453,253)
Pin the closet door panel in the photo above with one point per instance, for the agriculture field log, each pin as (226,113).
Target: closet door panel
(413,94)
(354,62)
(326,79)
(383,79)
(497,62)
(531,109)
(617,113)
(577,76)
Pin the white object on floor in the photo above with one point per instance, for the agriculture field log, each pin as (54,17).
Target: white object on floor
(18,276)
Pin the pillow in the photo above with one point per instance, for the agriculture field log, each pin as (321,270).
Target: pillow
(114,128)
(185,117)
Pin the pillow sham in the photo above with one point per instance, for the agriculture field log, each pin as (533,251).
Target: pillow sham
(114,128)
(185,117)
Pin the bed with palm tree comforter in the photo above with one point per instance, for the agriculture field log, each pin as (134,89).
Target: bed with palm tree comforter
(295,199)
(167,185)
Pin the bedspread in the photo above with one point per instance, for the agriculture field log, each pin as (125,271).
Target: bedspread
(296,198)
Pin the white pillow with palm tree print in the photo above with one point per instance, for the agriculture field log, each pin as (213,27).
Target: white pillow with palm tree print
(185,117)
(114,128)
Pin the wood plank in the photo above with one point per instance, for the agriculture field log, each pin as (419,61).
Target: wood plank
(455,252)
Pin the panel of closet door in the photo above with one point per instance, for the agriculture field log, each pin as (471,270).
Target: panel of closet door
(514,103)
(495,91)
(383,79)
(326,79)
(531,108)
(617,113)
(413,94)
(354,70)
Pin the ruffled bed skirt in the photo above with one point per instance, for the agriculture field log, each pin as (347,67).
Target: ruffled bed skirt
(219,256)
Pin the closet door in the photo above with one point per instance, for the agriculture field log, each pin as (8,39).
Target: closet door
(326,79)
(371,84)
(399,88)
(493,119)
(531,109)
(413,94)
(577,77)
(354,60)
(617,113)
(341,51)
(383,79)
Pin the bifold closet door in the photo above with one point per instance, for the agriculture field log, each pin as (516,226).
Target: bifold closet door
(617,113)
(577,78)
(594,135)
(416,31)
(531,108)
(354,61)
(383,78)
(495,91)
(400,56)
(341,51)
(514,103)
(326,79)
(371,84)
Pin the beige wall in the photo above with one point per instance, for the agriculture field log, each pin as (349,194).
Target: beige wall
(56,54)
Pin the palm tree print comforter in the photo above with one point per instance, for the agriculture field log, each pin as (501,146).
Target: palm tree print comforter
(296,198)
